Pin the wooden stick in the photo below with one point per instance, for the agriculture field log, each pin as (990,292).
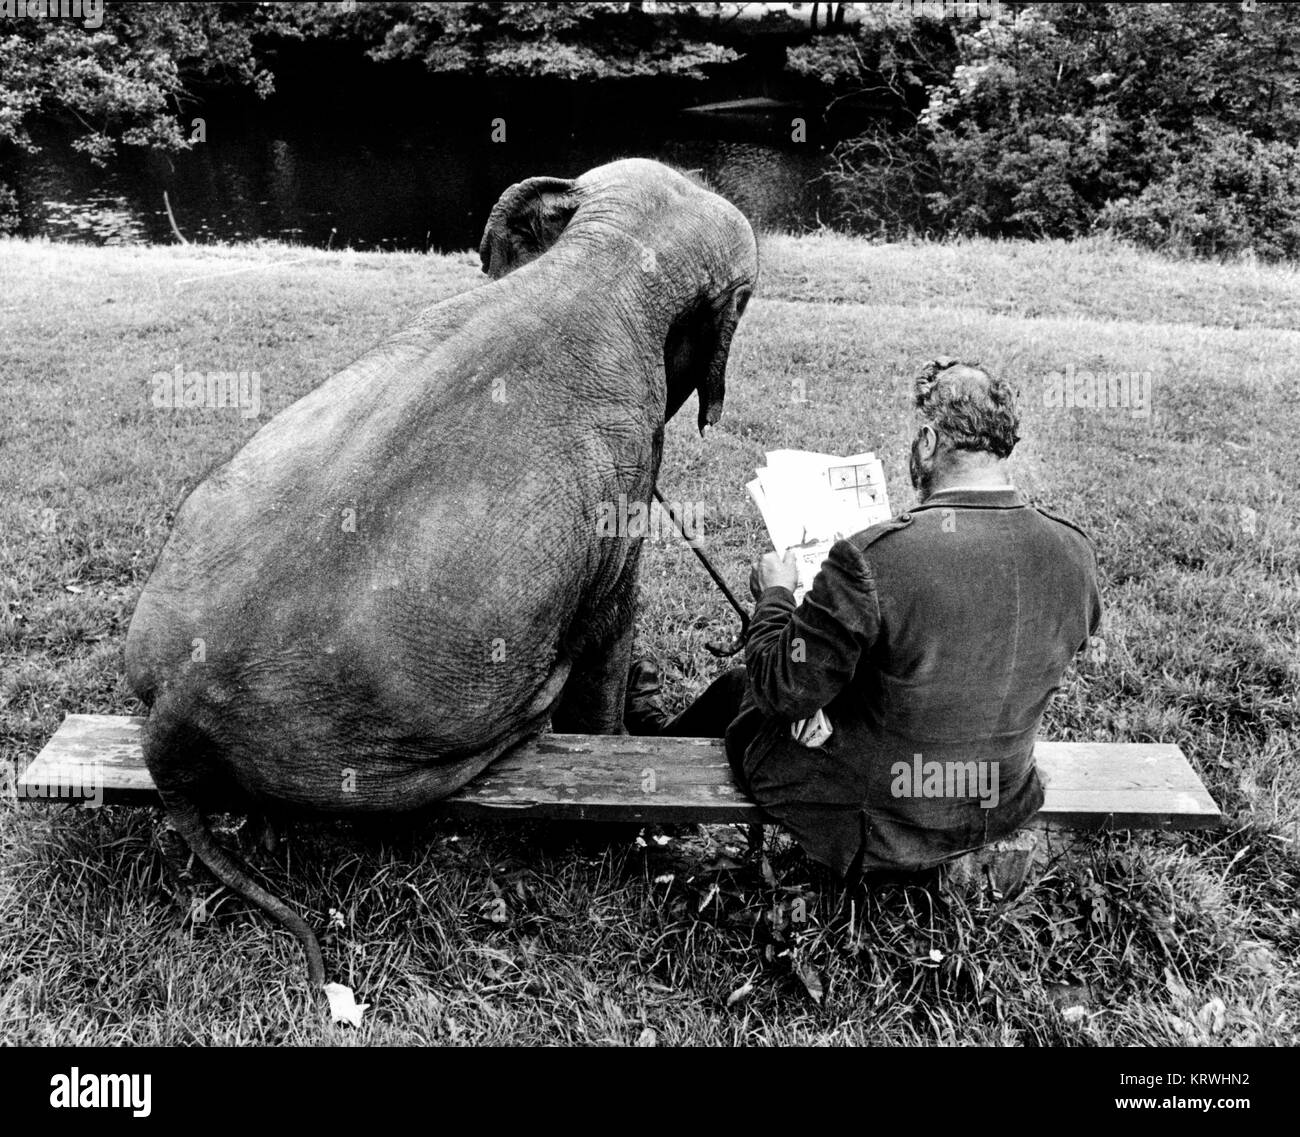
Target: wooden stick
(171,217)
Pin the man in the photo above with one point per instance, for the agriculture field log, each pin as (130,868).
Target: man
(931,642)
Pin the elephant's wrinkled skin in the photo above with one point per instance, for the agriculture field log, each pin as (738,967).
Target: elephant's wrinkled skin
(400,576)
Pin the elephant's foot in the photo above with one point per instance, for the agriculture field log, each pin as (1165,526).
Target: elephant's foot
(643,711)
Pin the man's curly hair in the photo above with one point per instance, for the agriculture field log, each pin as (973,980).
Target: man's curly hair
(970,414)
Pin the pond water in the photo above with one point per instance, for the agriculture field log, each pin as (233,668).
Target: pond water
(376,186)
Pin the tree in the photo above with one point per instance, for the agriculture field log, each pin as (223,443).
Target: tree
(1069,109)
(124,83)
(571,41)
(1175,124)
(875,79)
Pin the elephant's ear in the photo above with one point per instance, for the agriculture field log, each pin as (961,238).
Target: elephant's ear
(713,381)
(526,222)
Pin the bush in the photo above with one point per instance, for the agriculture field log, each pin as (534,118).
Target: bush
(1233,194)
(1176,125)
(882,182)
(8,210)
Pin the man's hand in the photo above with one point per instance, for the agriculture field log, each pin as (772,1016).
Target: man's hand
(771,571)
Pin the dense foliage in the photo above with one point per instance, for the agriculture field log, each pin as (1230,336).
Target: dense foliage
(125,82)
(129,81)
(570,41)
(1175,125)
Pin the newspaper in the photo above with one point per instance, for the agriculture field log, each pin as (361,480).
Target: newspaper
(810,500)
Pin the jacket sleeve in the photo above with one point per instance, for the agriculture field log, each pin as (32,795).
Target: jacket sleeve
(798,661)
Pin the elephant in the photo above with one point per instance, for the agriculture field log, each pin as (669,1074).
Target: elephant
(400,577)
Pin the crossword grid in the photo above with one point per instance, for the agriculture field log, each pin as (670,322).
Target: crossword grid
(856,477)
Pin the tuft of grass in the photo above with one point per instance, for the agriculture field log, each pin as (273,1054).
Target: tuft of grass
(515,934)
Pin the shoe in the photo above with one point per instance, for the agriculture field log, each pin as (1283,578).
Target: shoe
(643,711)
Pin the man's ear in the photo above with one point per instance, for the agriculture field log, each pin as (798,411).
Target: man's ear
(526,222)
(929,439)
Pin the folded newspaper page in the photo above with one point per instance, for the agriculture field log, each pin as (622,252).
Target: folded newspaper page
(810,500)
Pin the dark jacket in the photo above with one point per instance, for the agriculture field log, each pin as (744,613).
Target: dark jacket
(933,642)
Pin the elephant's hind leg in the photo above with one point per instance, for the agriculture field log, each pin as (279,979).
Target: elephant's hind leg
(593,697)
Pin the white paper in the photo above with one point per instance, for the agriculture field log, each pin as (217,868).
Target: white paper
(810,500)
(812,732)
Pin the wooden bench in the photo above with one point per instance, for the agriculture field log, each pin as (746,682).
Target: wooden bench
(1089,785)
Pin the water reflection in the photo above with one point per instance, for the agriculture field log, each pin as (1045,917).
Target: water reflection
(372,189)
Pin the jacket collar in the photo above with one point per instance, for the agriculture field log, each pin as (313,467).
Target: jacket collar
(1003,497)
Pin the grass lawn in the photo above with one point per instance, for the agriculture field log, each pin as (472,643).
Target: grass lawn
(1147,939)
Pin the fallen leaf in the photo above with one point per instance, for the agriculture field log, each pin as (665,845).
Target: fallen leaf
(708,898)
(722,863)
(1212,1015)
(1067,996)
(1256,957)
(768,875)
(742,992)
(811,981)
(343,1007)
(1177,988)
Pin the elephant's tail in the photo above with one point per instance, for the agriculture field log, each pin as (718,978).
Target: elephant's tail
(173,754)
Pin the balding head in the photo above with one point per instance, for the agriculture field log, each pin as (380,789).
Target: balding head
(968,408)
(968,426)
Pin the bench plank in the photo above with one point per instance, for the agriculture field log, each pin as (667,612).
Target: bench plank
(1089,785)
